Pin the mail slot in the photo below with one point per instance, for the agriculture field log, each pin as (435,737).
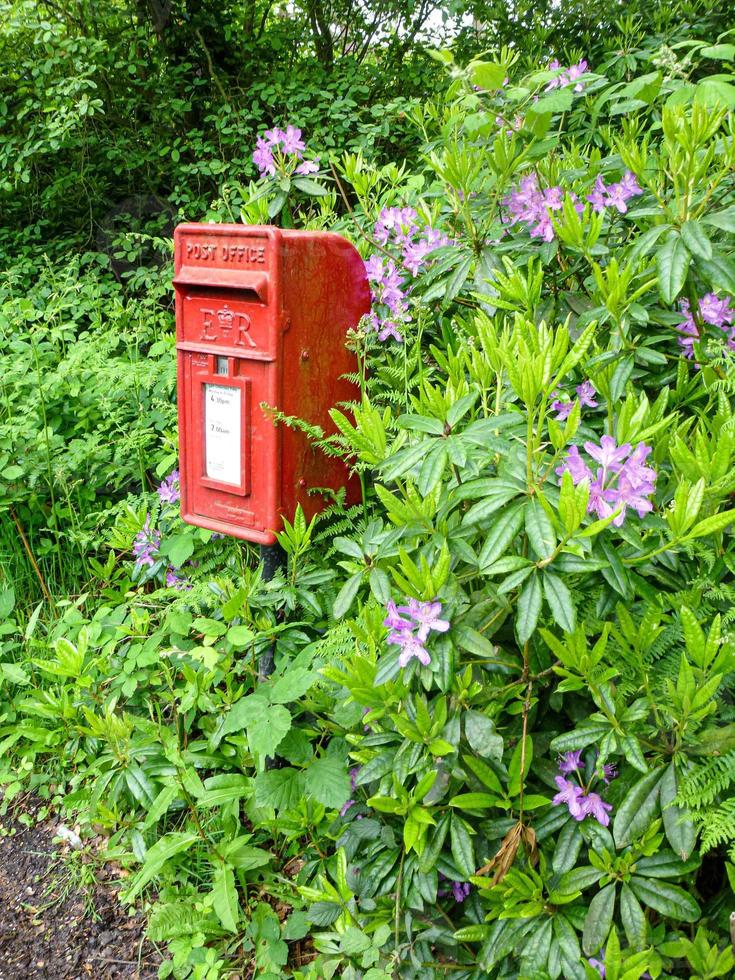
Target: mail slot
(262,316)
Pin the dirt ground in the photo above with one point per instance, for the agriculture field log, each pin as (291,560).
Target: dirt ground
(54,928)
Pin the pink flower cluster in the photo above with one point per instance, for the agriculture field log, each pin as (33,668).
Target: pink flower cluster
(614,195)
(353,786)
(579,801)
(398,227)
(459,890)
(411,634)
(711,310)
(563,404)
(569,76)
(276,145)
(169,491)
(146,544)
(533,206)
(622,480)
(386,290)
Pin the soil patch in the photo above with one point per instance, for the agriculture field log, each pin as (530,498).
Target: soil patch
(58,925)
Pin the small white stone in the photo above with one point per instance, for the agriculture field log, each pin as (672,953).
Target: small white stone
(71,837)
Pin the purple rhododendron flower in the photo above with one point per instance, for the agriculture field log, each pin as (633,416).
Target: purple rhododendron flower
(460,890)
(169,491)
(597,964)
(563,409)
(400,223)
(571,794)
(175,581)
(594,806)
(307,167)
(426,616)
(597,197)
(711,310)
(288,142)
(586,393)
(571,761)
(411,634)
(580,802)
(576,466)
(397,227)
(609,772)
(411,647)
(146,544)
(394,620)
(569,76)
(263,157)
(533,206)
(616,195)
(622,481)
(291,141)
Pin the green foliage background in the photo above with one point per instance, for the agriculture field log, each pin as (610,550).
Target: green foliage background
(137,708)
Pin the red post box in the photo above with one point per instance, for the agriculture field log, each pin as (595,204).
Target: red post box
(261,320)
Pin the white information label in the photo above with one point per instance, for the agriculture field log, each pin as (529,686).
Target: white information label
(222,414)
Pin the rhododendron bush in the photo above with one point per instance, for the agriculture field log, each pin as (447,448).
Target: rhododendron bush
(499,738)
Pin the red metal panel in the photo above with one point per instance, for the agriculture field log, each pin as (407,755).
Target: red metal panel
(261,318)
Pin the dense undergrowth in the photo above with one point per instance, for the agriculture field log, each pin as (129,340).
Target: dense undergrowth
(502,704)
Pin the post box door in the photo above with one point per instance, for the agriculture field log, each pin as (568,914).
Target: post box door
(226,432)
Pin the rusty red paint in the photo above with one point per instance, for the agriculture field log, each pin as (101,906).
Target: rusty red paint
(250,303)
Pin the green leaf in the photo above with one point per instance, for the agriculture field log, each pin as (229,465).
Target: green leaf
(711,525)
(223,789)
(560,601)
(725,219)
(158,855)
(665,864)
(474,801)
(266,724)
(293,685)
(719,270)
(577,880)
(224,897)
(309,186)
(678,824)
(568,845)
(540,533)
(487,74)
(715,92)
(598,920)
(559,100)
(462,849)
(719,52)
(666,898)
(638,809)
(7,603)
(503,530)
(347,595)
(281,789)
(239,636)
(179,548)
(672,265)
(528,609)
(160,805)
(480,733)
(632,917)
(323,913)
(244,856)
(696,240)
(328,782)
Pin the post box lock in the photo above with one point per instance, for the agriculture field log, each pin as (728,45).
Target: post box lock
(253,305)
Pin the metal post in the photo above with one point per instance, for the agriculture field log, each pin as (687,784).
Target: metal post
(272,557)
